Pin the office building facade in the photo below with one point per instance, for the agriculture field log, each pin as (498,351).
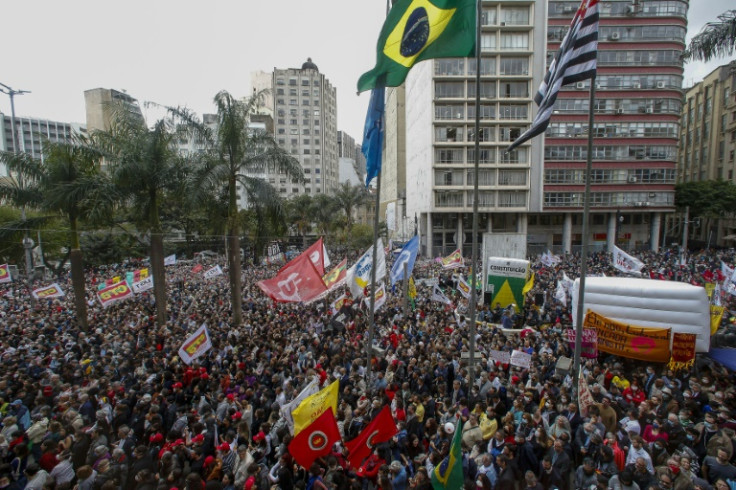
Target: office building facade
(637,106)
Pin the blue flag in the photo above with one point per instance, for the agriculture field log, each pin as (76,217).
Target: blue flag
(407,256)
(373,135)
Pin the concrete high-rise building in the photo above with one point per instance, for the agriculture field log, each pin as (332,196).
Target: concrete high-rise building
(100,104)
(638,100)
(305,125)
(708,143)
(30,134)
(440,133)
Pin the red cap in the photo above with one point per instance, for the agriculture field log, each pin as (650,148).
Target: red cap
(223,447)
(205,376)
(198,438)
(209,460)
(230,396)
(259,437)
(178,442)
(157,437)
(177,385)
(237,416)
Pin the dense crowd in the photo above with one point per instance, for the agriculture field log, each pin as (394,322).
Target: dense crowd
(114,408)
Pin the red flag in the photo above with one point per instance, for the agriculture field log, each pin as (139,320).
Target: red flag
(315,440)
(708,276)
(197,268)
(381,429)
(315,253)
(298,282)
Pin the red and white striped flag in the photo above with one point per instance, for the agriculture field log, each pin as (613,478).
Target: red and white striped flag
(575,61)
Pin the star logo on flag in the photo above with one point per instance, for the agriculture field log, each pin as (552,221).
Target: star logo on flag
(420,26)
(317,440)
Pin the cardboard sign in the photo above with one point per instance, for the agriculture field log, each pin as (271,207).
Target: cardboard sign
(589,342)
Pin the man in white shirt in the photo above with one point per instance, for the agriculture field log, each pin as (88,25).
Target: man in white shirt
(637,451)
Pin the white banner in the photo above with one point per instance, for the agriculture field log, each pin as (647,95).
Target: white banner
(143,285)
(625,262)
(309,390)
(438,295)
(53,291)
(521,359)
(213,272)
(359,275)
(501,356)
(561,294)
(197,344)
(170,260)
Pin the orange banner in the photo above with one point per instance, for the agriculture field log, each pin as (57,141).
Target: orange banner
(113,294)
(646,344)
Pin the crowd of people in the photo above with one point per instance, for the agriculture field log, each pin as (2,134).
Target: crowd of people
(115,408)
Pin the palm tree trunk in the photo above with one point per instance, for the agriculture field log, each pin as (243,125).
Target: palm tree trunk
(77,269)
(233,256)
(159,276)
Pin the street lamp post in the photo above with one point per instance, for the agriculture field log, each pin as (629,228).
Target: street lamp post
(27,241)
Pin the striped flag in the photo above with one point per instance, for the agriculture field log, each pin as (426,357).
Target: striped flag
(575,61)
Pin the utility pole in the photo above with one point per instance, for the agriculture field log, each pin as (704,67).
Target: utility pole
(684,235)
(27,241)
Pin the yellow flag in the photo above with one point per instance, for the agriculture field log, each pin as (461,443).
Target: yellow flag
(528,286)
(716,313)
(412,288)
(315,405)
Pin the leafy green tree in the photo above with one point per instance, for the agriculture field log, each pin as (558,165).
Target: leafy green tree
(142,162)
(239,153)
(299,215)
(715,40)
(708,198)
(323,213)
(68,183)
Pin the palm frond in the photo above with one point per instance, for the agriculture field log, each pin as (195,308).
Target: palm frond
(715,40)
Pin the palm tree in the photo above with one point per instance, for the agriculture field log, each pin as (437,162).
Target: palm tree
(349,197)
(240,152)
(68,182)
(299,213)
(716,39)
(323,213)
(142,162)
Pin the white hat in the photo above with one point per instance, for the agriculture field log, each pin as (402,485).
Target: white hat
(449,427)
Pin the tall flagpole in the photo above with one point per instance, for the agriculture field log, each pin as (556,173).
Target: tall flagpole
(374,258)
(474,240)
(584,252)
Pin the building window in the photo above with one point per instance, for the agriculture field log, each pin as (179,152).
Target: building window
(514,41)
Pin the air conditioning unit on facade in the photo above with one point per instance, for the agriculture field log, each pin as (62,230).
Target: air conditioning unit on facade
(620,110)
(615,36)
(569,9)
(636,85)
(632,179)
(580,85)
(649,110)
(661,85)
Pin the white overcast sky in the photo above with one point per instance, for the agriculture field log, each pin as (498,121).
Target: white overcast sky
(183,52)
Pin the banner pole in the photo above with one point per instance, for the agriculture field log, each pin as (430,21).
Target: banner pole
(584,251)
(474,239)
(372,314)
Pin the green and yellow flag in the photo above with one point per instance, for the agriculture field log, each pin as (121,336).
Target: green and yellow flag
(417,30)
(449,473)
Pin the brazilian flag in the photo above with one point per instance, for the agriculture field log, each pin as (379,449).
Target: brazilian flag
(449,473)
(417,30)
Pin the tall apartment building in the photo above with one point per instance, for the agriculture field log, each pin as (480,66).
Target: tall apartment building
(30,134)
(100,104)
(440,133)
(305,125)
(708,142)
(638,101)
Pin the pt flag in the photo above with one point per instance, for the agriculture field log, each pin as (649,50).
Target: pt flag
(381,429)
(453,261)
(463,287)
(359,275)
(372,147)
(53,291)
(316,253)
(5,274)
(408,256)
(336,277)
(298,281)
(316,440)
(313,406)
(575,61)
(417,30)
(195,345)
(449,473)
(115,293)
